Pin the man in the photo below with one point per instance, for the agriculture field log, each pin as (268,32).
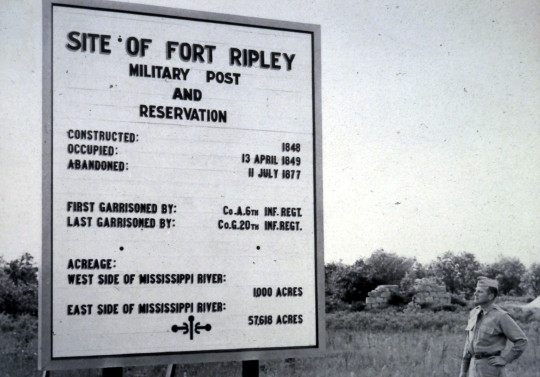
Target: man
(489,328)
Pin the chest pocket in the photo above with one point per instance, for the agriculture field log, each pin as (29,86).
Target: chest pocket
(487,332)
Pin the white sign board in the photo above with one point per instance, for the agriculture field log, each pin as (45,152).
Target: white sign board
(182,200)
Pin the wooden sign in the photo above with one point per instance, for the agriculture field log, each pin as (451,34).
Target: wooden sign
(182,189)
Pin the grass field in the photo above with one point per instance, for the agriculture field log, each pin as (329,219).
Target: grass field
(397,344)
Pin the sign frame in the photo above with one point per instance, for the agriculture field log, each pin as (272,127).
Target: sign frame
(45,335)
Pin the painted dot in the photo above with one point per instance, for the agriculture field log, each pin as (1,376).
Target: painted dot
(258,248)
(121,248)
(119,39)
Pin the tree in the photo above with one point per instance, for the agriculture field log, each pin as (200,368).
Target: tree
(347,286)
(357,282)
(387,268)
(22,270)
(417,271)
(531,280)
(332,287)
(509,272)
(19,286)
(458,272)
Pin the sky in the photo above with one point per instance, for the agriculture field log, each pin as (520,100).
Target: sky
(431,124)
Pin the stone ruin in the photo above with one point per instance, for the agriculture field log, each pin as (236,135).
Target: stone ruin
(378,298)
(428,291)
(424,291)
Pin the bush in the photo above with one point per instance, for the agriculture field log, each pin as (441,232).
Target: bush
(531,280)
(505,298)
(24,327)
(458,300)
(450,317)
(19,286)
(392,319)
(18,299)
(357,306)
(18,345)
(445,308)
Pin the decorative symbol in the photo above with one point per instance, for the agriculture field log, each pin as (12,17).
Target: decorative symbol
(191,328)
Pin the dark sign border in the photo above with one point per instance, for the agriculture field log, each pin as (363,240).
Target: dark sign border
(45,336)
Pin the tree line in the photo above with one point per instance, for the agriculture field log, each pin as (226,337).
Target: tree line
(346,286)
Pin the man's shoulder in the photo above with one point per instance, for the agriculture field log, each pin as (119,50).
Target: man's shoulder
(500,315)
(498,310)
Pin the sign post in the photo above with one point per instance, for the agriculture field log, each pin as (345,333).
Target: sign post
(182,188)
(250,368)
(171,370)
(113,372)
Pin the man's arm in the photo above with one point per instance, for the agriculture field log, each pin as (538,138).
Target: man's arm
(514,333)
(466,359)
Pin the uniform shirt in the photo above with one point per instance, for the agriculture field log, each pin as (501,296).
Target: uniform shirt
(489,331)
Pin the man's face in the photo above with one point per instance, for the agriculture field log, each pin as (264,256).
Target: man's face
(482,296)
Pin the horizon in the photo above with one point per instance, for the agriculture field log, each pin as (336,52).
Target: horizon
(37,258)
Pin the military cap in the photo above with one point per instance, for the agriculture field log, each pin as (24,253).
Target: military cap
(484,282)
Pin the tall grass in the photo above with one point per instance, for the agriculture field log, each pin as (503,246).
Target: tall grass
(384,344)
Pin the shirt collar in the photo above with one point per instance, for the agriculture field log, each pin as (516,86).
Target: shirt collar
(487,310)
